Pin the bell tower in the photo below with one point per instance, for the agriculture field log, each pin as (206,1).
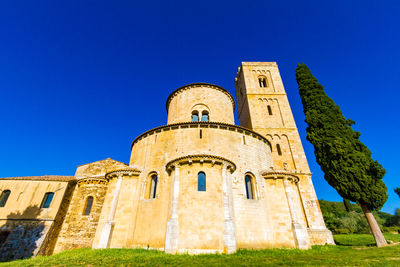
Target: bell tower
(263,107)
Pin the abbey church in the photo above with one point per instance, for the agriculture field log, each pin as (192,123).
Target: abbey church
(199,184)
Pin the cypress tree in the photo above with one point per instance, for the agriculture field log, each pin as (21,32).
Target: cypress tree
(344,159)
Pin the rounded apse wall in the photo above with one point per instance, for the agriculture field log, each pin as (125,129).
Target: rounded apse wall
(200,99)
(155,148)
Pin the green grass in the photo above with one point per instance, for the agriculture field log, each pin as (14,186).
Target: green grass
(317,256)
(362,239)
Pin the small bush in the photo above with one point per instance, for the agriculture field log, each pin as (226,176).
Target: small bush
(391,229)
(341,231)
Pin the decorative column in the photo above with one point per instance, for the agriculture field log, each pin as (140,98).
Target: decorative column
(105,233)
(300,232)
(171,239)
(229,225)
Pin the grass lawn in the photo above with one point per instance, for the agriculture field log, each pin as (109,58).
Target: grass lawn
(363,239)
(341,255)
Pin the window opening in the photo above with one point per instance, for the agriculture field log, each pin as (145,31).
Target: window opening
(249,187)
(4,197)
(88,207)
(278,149)
(204,116)
(195,116)
(201,181)
(262,81)
(153,186)
(269,110)
(48,197)
(201,134)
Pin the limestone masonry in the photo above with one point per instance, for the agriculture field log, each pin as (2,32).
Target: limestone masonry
(199,184)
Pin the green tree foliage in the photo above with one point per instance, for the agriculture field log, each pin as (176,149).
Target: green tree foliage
(344,159)
(347,205)
(340,221)
(397,191)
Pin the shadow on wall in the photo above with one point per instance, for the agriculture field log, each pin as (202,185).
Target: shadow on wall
(22,235)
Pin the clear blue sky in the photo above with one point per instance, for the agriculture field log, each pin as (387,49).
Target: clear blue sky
(79,80)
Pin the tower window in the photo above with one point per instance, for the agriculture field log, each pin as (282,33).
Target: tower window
(201,181)
(4,197)
(262,81)
(248,180)
(153,186)
(269,110)
(204,116)
(48,197)
(278,149)
(88,206)
(195,116)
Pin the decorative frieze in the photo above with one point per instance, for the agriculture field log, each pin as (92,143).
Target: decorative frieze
(202,158)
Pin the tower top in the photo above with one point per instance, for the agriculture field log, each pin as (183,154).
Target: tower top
(272,63)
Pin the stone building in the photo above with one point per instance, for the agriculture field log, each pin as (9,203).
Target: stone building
(199,184)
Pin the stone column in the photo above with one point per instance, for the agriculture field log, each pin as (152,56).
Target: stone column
(229,225)
(300,232)
(105,233)
(171,239)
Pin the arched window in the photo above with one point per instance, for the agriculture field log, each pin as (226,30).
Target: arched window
(201,181)
(48,197)
(88,207)
(248,180)
(195,116)
(4,197)
(269,110)
(153,186)
(204,116)
(278,149)
(262,81)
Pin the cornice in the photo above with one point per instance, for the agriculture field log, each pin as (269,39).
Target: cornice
(202,124)
(283,174)
(193,85)
(92,180)
(200,158)
(124,172)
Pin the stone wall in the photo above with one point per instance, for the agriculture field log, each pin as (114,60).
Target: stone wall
(78,230)
(50,241)
(25,238)
(32,229)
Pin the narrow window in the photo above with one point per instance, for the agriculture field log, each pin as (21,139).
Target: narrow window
(88,207)
(262,82)
(195,116)
(48,197)
(4,197)
(153,186)
(249,187)
(204,116)
(269,110)
(244,140)
(278,149)
(201,181)
(201,134)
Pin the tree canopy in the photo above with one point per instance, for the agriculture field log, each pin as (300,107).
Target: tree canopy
(344,159)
